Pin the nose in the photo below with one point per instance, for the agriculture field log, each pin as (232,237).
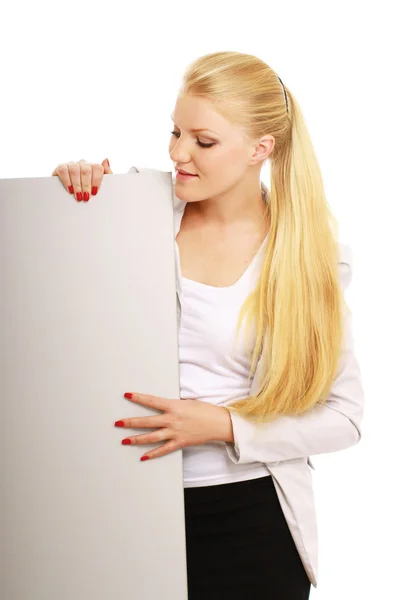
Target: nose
(177,152)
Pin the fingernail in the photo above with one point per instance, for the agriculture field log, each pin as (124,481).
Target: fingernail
(94,190)
(126,441)
(144,458)
(86,196)
(119,423)
(71,189)
(128,395)
(79,196)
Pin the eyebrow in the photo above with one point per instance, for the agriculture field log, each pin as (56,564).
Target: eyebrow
(197,130)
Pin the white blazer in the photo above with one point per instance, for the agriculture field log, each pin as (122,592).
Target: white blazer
(285,445)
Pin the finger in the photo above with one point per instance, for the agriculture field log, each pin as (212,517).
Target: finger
(143,422)
(63,173)
(166,448)
(107,168)
(149,400)
(149,438)
(86,179)
(75,175)
(97,178)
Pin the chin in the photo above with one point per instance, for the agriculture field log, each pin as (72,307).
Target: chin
(184,198)
(180,194)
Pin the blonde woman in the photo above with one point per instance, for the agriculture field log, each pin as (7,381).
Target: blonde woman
(267,365)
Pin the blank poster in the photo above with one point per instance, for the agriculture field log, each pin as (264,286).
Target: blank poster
(88,311)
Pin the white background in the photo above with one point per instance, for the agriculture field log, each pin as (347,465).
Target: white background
(99,79)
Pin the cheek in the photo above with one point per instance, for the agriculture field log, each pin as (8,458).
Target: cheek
(226,160)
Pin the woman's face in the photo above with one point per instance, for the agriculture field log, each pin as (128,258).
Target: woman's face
(220,165)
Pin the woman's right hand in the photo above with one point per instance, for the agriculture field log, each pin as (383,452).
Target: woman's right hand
(82,178)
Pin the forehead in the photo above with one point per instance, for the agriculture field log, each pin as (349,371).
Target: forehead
(197,129)
(198,114)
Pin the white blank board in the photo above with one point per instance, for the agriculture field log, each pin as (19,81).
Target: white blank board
(87,313)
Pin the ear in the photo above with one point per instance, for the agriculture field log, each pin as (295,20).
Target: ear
(263,148)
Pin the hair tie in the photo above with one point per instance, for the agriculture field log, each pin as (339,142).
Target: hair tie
(287,108)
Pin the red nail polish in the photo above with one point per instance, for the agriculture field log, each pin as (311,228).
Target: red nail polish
(71,189)
(144,458)
(119,423)
(79,196)
(126,441)
(128,395)
(94,190)
(86,196)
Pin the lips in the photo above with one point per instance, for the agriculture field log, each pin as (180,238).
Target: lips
(185,172)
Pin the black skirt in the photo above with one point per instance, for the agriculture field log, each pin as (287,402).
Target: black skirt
(239,546)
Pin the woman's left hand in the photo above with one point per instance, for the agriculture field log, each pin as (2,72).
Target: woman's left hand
(183,423)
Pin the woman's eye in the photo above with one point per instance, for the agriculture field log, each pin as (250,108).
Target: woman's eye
(176,134)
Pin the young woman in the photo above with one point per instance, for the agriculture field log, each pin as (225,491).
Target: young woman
(259,399)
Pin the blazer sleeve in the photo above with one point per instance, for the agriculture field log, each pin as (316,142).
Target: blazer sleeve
(328,427)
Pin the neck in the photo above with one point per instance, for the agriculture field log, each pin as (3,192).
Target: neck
(234,207)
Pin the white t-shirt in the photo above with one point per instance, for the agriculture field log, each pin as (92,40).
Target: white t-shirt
(215,369)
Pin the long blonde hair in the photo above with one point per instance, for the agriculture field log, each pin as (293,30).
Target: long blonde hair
(297,304)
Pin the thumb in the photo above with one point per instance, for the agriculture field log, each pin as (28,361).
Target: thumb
(107,168)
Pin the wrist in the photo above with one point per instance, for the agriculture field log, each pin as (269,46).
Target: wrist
(226,426)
